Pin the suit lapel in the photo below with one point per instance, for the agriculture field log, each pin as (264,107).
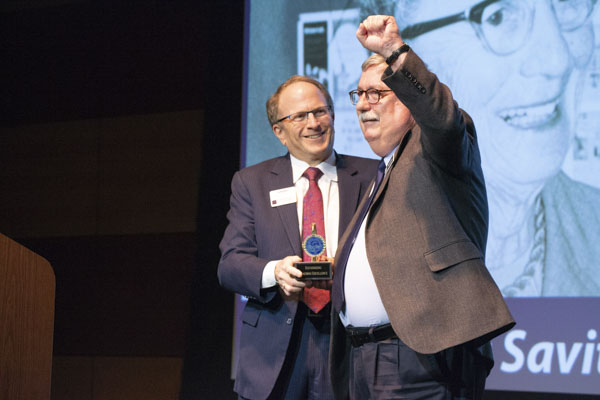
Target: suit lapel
(349,194)
(281,175)
(397,155)
(349,189)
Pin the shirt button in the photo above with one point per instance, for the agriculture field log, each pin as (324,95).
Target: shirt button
(289,321)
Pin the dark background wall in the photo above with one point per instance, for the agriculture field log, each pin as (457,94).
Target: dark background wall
(119,134)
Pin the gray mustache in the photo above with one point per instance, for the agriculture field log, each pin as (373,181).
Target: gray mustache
(368,115)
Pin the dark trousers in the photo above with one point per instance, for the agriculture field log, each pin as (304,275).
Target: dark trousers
(389,369)
(305,374)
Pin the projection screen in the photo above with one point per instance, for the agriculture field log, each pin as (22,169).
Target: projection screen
(528,72)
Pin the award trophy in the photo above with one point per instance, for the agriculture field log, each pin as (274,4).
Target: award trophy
(314,246)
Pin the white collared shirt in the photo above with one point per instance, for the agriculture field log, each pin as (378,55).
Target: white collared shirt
(364,307)
(328,183)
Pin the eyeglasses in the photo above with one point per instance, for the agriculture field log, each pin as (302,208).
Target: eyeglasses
(504,25)
(373,95)
(303,115)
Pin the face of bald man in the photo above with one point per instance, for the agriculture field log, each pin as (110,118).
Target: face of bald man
(310,140)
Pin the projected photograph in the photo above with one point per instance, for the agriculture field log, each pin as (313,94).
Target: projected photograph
(528,72)
(534,94)
(523,98)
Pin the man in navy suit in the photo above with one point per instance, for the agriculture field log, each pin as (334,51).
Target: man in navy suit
(284,344)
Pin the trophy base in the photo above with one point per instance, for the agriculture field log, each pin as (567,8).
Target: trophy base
(315,270)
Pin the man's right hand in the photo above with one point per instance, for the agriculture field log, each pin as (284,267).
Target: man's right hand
(286,276)
(379,33)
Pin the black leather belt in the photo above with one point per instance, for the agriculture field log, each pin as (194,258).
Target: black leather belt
(360,336)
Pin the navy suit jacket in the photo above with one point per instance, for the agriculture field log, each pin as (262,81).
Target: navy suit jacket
(258,233)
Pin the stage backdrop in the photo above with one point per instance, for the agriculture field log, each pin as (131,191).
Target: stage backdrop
(529,75)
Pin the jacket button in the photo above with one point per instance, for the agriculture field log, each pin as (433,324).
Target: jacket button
(289,321)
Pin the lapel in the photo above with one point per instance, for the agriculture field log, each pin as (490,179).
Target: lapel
(349,190)
(396,157)
(281,177)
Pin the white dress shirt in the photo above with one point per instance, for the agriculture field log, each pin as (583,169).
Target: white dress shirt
(328,183)
(364,307)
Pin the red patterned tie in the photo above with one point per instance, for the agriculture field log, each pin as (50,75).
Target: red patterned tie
(312,213)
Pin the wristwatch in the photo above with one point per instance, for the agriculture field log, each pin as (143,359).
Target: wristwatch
(394,56)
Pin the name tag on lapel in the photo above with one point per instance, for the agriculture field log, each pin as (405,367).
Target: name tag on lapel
(281,197)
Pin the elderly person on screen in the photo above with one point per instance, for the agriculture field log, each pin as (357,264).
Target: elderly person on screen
(510,63)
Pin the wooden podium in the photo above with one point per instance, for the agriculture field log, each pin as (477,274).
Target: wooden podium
(27,288)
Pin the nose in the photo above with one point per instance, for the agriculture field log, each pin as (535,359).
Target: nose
(546,52)
(362,104)
(311,120)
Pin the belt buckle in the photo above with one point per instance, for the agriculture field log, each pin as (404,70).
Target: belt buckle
(373,334)
(357,340)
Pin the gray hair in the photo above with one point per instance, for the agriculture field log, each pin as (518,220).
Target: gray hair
(374,60)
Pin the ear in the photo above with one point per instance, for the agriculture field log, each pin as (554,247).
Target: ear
(279,133)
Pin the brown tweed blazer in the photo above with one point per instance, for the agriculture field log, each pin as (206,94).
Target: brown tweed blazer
(426,231)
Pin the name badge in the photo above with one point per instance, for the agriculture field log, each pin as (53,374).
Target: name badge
(281,197)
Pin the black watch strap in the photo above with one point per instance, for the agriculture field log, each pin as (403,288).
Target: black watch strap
(394,56)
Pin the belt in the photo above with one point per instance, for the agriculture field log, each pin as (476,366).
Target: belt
(360,336)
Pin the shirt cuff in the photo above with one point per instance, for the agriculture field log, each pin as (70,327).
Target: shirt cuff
(268,275)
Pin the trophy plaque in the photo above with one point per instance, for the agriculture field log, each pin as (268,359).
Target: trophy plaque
(314,246)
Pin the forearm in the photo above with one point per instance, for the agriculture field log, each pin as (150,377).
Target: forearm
(241,267)
(447,133)
(243,274)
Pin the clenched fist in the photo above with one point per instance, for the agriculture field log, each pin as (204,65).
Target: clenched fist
(379,34)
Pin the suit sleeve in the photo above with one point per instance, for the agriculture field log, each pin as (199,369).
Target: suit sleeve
(240,269)
(448,134)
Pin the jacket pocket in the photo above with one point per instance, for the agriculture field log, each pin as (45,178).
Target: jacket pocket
(451,254)
(251,315)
